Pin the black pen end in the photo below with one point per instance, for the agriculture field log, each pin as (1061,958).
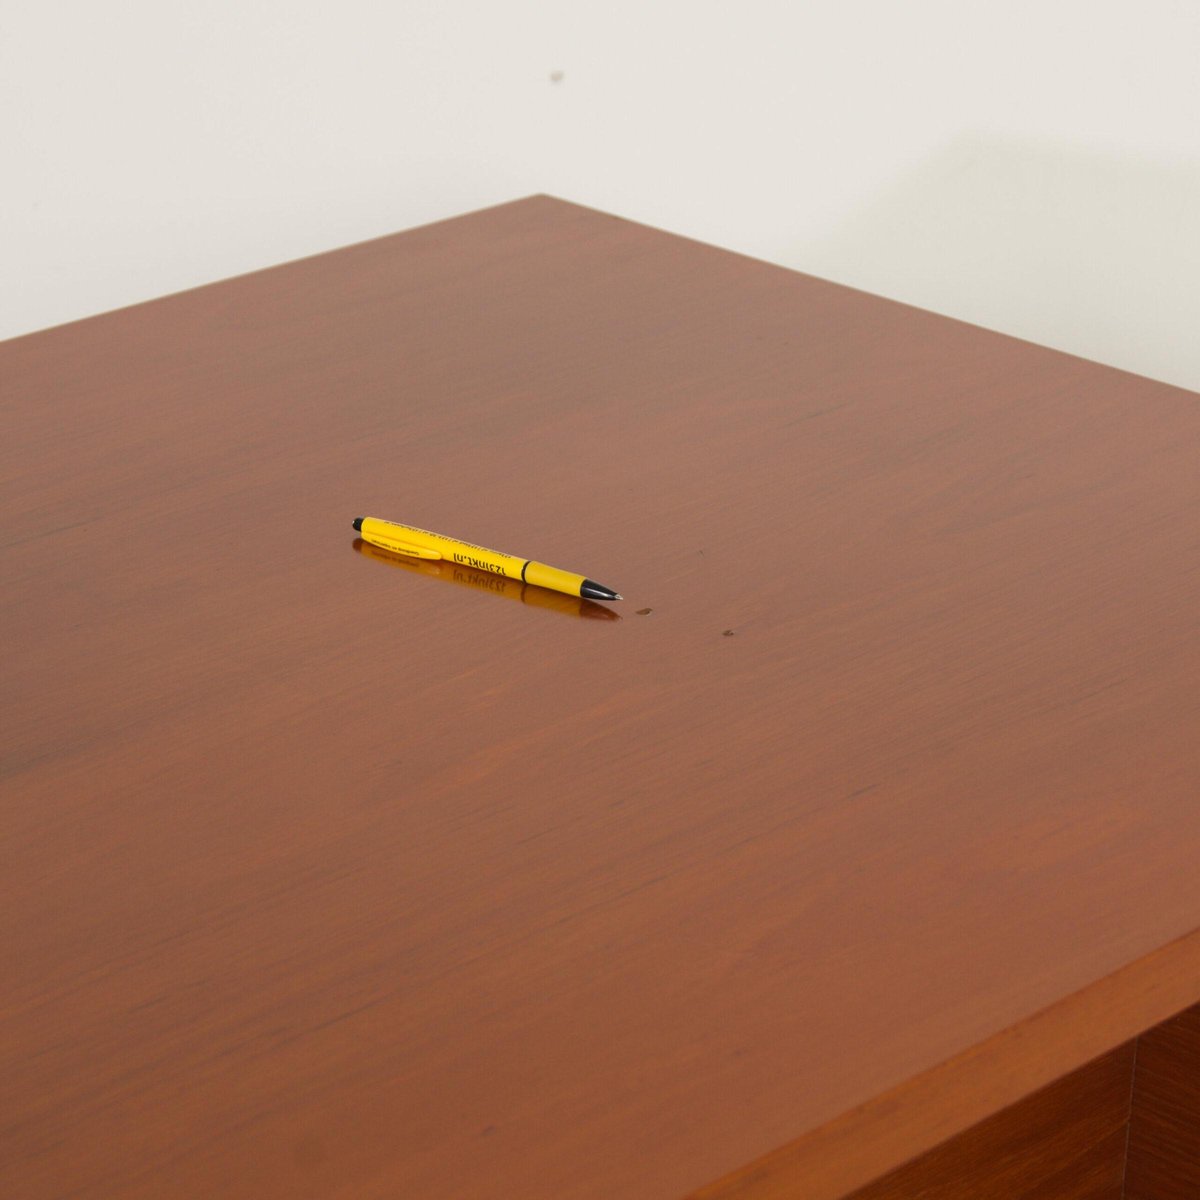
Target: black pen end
(358,523)
(591,590)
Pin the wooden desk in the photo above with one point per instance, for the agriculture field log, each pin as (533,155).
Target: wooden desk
(875,813)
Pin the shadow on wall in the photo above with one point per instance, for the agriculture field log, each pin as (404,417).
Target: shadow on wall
(1093,254)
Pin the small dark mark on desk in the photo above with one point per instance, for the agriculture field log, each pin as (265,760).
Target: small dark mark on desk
(727,633)
(44,533)
(644,612)
(862,791)
(308,1152)
(811,416)
(487,1131)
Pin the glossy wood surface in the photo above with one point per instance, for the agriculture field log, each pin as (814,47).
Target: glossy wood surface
(1164,1136)
(321,878)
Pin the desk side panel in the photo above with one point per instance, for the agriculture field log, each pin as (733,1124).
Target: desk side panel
(1066,1141)
(1164,1138)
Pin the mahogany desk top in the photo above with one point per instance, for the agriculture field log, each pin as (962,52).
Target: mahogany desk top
(325,878)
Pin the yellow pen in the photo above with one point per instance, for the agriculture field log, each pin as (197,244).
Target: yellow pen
(420,543)
(490,582)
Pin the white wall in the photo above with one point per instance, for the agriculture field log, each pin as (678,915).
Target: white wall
(1032,165)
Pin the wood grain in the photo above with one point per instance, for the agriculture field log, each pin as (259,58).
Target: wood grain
(321,879)
(1066,1141)
(1164,1136)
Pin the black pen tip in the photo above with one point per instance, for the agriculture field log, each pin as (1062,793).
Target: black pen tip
(595,591)
(358,523)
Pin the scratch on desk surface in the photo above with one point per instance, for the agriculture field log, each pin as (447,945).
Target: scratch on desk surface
(42,533)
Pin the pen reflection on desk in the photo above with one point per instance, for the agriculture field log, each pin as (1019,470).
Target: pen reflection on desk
(496,585)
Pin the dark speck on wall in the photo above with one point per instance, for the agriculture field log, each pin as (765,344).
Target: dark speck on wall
(556,76)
